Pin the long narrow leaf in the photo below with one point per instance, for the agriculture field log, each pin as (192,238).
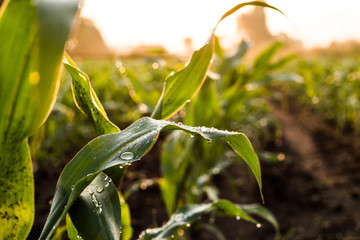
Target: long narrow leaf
(184,84)
(261,211)
(30,61)
(123,148)
(181,86)
(86,99)
(55,19)
(96,214)
(186,215)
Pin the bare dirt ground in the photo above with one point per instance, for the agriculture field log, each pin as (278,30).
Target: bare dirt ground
(315,192)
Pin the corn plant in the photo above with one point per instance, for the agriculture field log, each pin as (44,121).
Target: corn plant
(33,35)
(330,88)
(29,68)
(232,98)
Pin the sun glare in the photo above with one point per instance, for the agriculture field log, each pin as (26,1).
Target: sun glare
(126,24)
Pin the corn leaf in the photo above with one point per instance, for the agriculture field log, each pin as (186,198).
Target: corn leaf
(181,86)
(126,229)
(35,35)
(184,84)
(96,213)
(86,99)
(261,211)
(123,148)
(71,230)
(186,215)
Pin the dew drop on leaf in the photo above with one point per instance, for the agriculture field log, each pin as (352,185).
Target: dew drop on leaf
(98,210)
(258,225)
(178,217)
(127,156)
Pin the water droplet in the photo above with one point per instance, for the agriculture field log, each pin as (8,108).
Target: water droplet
(188,225)
(106,178)
(127,156)
(99,210)
(238,218)
(121,166)
(258,225)
(99,189)
(107,184)
(188,100)
(78,236)
(172,236)
(178,217)
(191,135)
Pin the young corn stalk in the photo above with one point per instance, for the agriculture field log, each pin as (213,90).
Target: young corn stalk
(29,72)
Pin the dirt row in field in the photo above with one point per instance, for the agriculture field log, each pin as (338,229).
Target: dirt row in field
(315,192)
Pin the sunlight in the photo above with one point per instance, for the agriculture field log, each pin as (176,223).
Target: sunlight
(127,24)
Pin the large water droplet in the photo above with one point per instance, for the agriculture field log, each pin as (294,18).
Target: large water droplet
(258,225)
(127,156)
(98,210)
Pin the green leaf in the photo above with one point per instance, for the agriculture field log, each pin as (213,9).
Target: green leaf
(71,230)
(55,19)
(139,91)
(184,84)
(253,3)
(123,148)
(261,211)
(96,213)
(17,191)
(263,60)
(86,99)
(126,229)
(30,61)
(188,214)
(233,60)
(175,164)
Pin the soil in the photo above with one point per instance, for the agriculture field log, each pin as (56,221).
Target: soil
(314,193)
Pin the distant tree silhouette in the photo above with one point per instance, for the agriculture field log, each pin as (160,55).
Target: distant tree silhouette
(253,24)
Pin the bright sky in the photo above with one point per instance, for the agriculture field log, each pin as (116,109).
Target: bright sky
(127,23)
